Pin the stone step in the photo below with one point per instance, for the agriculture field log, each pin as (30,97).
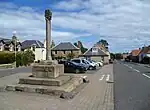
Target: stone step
(50,90)
(45,81)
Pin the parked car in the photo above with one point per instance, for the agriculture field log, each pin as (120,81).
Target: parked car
(81,62)
(100,64)
(72,67)
(110,61)
(92,65)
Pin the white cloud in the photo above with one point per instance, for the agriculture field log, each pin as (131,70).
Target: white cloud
(125,23)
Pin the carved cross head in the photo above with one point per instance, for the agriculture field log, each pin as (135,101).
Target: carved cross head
(48,14)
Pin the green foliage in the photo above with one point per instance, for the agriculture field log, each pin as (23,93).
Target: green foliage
(70,55)
(22,58)
(76,44)
(118,56)
(104,42)
(28,57)
(53,44)
(83,49)
(112,56)
(7,57)
(60,57)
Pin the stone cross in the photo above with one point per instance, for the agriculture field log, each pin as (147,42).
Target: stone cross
(48,17)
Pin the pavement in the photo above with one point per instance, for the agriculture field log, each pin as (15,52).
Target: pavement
(10,71)
(96,95)
(131,86)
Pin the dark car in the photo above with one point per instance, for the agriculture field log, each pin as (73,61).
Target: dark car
(72,67)
(110,61)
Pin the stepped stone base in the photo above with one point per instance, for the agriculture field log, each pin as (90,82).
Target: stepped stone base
(51,90)
(45,81)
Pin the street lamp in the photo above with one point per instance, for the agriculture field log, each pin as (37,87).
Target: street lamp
(14,38)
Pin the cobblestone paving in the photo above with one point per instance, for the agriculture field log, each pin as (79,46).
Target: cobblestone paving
(97,95)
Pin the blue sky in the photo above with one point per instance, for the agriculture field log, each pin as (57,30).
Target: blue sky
(125,24)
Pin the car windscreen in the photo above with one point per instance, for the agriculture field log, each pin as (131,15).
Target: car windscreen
(76,61)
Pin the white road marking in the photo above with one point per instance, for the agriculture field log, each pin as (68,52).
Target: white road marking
(107,79)
(146,75)
(136,70)
(102,77)
(125,64)
(130,67)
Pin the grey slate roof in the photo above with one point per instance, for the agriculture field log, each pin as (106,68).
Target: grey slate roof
(8,41)
(90,53)
(30,43)
(65,46)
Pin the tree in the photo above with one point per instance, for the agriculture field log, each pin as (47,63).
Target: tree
(53,44)
(28,57)
(112,55)
(118,56)
(104,42)
(76,44)
(80,45)
(70,55)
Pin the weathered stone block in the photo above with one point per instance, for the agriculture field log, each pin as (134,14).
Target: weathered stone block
(29,89)
(10,88)
(67,95)
(45,81)
(47,71)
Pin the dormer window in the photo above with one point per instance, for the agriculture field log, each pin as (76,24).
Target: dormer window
(94,50)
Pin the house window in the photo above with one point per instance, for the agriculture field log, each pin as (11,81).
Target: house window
(71,51)
(64,52)
(55,52)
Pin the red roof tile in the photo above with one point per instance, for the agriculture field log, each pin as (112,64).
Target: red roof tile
(135,52)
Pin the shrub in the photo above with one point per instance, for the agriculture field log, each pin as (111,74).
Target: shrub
(70,55)
(7,57)
(22,58)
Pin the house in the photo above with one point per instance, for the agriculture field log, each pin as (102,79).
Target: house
(9,45)
(97,54)
(144,55)
(134,55)
(64,48)
(37,47)
(103,48)
(125,55)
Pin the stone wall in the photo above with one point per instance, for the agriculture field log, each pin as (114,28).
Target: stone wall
(96,58)
(64,54)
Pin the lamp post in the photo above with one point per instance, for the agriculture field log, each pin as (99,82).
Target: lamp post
(14,38)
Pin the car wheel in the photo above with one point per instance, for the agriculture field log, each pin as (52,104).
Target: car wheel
(77,71)
(90,68)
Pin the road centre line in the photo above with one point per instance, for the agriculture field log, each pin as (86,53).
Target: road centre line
(132,68)
(146,75)
(136,70)
(102,77)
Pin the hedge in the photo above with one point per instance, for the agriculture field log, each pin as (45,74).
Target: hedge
(22,58)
